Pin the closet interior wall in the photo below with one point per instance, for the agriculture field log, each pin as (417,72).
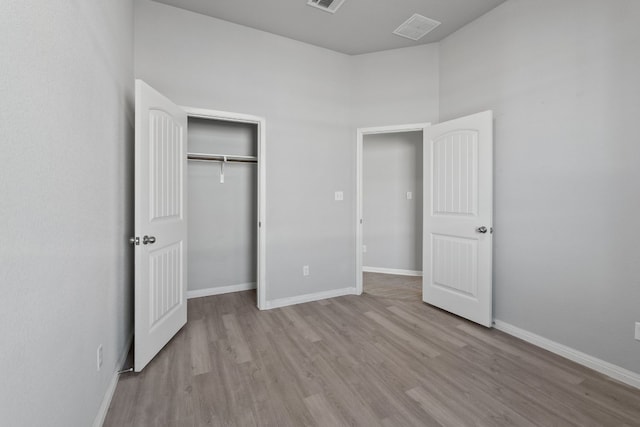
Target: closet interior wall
(222,216)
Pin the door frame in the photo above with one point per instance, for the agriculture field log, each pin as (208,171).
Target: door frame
(261,123)
(360,133)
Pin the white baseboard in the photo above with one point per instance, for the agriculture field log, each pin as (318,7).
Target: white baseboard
(106,401)
(616,372)
(283,302)
(220,290)
(391,271)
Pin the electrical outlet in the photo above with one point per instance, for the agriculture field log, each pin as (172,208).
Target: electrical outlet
(99,357)
(409,195)
(339,196)
(364,248)
(305,270)
(637,335)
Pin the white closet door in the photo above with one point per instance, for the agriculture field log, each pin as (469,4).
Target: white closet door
(458,209)
(160,222)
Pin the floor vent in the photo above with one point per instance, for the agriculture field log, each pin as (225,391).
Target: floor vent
(330,6)
(416,27)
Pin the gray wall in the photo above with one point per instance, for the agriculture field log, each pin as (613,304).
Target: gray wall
(222,217)
(395,86)
(392,230)
(65,211)
(304,94)
(562,78)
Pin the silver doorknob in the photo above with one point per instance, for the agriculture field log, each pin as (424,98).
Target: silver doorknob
(482,229)
(148,240)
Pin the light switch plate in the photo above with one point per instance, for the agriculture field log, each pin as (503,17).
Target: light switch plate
(339,196)
(637,335)
(409,195)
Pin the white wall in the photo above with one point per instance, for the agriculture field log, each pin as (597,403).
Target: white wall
(304,93)
(222,217)
(392,229)
(562,78)
(66,126)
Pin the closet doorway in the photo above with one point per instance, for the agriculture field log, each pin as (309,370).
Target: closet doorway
(226,187)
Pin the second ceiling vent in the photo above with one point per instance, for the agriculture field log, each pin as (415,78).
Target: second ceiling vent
(416,27)
(330,6)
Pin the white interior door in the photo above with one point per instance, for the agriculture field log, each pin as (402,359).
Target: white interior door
(458,210)
(160,222)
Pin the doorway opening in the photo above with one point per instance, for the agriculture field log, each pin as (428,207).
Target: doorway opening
(389,207)
(457,159)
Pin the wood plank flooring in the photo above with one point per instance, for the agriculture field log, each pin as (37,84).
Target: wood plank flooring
(380,359)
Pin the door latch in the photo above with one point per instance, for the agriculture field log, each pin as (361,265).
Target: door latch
(134,240)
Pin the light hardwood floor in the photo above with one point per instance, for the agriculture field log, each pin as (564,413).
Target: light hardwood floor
(380,359)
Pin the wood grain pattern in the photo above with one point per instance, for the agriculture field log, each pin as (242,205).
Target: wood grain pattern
(381,359)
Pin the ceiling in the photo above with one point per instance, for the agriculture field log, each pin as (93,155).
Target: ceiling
(359,26)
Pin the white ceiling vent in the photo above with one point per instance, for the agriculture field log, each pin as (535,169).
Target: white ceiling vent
(330,6)
(416,27)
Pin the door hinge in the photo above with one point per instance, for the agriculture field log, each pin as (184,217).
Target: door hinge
(134,240)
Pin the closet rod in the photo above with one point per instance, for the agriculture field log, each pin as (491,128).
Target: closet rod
(221,158)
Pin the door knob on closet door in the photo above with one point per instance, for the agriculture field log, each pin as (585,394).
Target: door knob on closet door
(482,229)
(148,240)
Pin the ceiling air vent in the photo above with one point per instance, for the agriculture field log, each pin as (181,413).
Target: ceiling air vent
(330,6)
(416,27)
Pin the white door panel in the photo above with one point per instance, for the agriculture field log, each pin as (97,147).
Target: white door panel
(458,202)
(160,222)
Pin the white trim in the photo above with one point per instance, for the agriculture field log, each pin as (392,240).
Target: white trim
(198,293)
(360,133)
(262,215)
(108,395)
(616,372)
(397,272)
(283,302)
(261,122)
(411,127)
(226,116)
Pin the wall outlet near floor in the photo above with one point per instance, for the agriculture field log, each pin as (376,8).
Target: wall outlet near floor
(99,358)
(637,335)
(305,270)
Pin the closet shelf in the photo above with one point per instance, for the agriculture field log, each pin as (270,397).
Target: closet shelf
(204,157)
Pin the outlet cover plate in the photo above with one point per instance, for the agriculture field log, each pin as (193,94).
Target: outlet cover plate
(637,335)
